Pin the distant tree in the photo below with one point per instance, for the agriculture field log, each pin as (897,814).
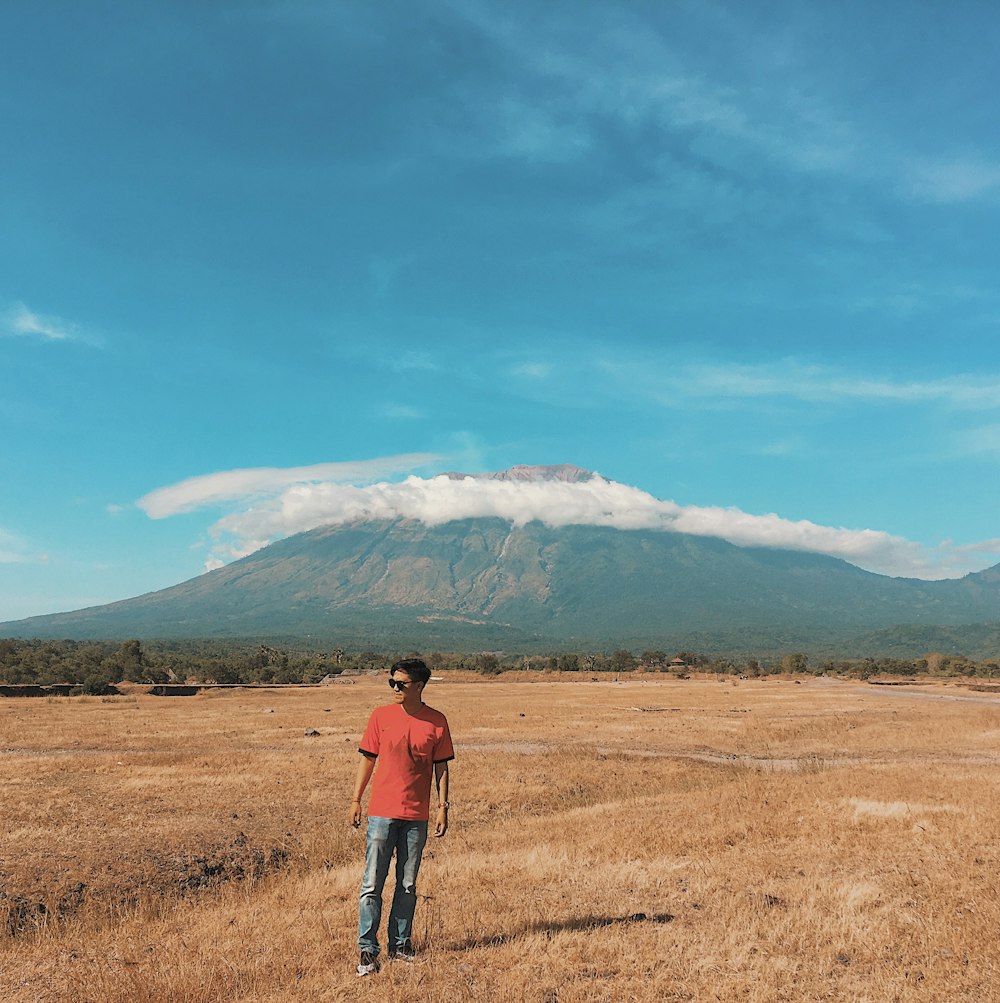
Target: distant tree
(723,666)
(95,684)
(223,670)
(315,671)
(127,662)
(795,662)
(487,663)
(287,673)
(569,662)
(622,661)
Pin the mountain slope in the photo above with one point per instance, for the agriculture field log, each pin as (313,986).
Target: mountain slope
(478,583)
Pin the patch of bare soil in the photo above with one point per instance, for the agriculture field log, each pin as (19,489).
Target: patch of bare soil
(119,881)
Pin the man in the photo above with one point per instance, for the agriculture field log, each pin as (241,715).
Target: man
(411,742)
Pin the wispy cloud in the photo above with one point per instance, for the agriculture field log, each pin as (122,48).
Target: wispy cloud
(404,411)
(671,384)
(631,75)
(614,76)
(738,98)
(256,482)
(19,320)
(534,133)
(909,299)
(983,441)
(532,370)
(413,361)
(955,180)
(783,447)
(15,549)
(308,503)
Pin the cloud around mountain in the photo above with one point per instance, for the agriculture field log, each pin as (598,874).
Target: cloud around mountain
(252,482)
(272,504)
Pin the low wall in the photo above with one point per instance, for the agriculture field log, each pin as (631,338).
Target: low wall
(32,690)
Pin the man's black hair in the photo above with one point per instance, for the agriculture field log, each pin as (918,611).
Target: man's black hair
(415,668)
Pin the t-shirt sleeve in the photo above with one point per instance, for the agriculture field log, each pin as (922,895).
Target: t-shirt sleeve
(444,751)
(370,740)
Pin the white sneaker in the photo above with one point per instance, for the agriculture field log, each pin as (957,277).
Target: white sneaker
(368,965)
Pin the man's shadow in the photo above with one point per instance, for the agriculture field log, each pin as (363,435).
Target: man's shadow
(575,924)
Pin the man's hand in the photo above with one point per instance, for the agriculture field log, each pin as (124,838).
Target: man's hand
(365,766)
(442,821)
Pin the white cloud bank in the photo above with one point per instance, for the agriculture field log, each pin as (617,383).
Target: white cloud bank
(304,503)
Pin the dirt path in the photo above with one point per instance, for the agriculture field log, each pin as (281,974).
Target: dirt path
(778,764)
(913,692)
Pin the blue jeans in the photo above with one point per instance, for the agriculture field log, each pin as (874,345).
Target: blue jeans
(406,838)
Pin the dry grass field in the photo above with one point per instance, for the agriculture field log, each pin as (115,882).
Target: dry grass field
(653,839)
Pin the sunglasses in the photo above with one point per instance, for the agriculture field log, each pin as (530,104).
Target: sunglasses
(399,684)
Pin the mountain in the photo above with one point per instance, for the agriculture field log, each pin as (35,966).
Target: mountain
(479,583)
(522,473)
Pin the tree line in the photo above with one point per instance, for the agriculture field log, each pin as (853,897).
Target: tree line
(749,666)
(94,666)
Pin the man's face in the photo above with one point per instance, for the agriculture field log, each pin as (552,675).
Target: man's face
(404,684)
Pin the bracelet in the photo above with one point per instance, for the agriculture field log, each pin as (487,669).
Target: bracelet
(444,804)
(356,801)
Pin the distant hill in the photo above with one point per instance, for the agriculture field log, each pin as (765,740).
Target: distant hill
(478,584)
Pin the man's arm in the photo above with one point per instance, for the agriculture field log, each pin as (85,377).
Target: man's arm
(441,781)
(361,779)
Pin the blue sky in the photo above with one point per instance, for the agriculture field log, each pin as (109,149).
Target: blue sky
(739,256)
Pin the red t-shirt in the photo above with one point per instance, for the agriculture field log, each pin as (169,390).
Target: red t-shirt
(407,747)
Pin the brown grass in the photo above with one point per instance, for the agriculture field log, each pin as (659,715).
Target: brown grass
(649,840)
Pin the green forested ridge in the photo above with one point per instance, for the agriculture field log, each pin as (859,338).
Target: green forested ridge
(480,584)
